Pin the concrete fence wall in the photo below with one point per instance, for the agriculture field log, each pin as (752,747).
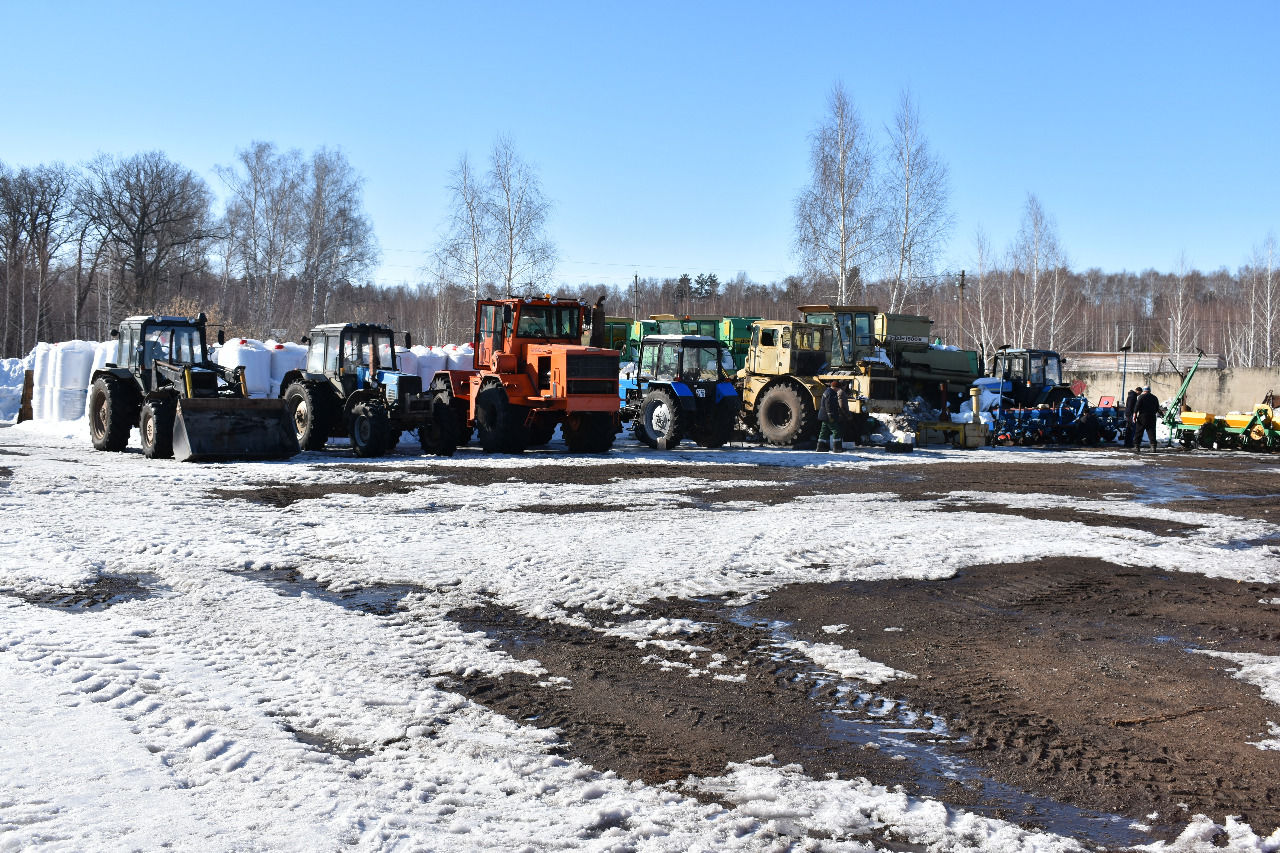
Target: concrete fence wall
(1212,390)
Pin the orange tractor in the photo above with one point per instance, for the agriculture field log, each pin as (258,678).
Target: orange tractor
(532,373)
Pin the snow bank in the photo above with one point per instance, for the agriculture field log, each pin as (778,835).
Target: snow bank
(12,372)
(254,357)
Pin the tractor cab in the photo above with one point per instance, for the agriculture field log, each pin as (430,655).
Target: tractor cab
(1030,377)
(353,356)
(684,389)
(148,342)
(779,348)
(852,328)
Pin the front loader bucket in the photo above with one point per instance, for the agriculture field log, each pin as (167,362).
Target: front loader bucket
(215,429)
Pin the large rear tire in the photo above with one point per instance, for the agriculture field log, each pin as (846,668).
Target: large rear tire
(111,415)
(661,421)
(155,424)
(589,432)
(309,413)
(499,424)
(369,429)
(440,434)
(785,417)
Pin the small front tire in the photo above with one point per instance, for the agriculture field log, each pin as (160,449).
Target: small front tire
(155,423)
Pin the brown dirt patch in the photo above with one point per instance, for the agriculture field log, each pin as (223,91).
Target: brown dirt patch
(284,494)
(1067,688)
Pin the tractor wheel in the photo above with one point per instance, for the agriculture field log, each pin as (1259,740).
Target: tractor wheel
(156,426)
(661,420)
(309,413)
(111,417)
(589,432)
(499,424)
(541,432)
(720,429)
(785,416)
(440,434)
(369,429)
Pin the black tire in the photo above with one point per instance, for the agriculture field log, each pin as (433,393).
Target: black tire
(661,420)
(309,412)
(785,416)
(155,424)
(440,435)
(720,428)
(542,431)
(369,429)
(589,432)
(111,415)
(499,424)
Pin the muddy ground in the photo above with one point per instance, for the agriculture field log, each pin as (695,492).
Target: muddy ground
(1060,694)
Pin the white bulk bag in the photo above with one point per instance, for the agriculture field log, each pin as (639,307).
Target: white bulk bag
(254,358)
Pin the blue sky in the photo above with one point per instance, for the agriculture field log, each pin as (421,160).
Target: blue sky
(673,137)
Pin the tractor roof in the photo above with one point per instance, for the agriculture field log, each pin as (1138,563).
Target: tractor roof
(335,328)
(822,309)
(683,339)
(162,320)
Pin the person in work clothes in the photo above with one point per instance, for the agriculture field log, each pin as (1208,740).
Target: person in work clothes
(1130,409)
(831,412)
(1146,410)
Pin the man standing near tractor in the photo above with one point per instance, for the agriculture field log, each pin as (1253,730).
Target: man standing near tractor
(1130,409)
(831,412)
(1146,410)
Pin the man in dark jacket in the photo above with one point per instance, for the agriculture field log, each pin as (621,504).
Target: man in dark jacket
(1146,410)
(1130,409)
(831,413)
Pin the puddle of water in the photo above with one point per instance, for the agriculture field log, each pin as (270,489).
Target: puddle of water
(378,599)
(922,739)
(106,591)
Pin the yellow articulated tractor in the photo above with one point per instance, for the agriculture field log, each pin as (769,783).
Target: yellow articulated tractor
(788,365)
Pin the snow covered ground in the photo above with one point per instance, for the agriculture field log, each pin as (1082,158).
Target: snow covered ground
(210,712)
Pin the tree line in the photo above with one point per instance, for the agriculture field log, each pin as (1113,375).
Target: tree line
(83,246)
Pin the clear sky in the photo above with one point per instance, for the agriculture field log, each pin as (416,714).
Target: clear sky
(673,137)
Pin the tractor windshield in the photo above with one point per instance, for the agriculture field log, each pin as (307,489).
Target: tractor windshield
(1052,369)
(704,363)
(550,321)
(357,345)
(181,344)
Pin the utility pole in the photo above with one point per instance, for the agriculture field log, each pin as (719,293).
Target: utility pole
(635,301)
(961,286)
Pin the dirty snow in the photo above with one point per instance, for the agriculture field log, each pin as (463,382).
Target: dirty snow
(215,713)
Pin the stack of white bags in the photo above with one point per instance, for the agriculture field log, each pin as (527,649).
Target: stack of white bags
(265,363)
(61,374)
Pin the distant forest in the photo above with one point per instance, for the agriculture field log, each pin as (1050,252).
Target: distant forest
(81,247)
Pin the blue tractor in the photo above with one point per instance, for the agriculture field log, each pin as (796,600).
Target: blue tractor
(684,389)
(350,386)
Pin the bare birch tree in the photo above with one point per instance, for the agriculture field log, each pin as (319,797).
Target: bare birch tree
(836,213)
(338,239)
(518,209)
(1264,305)
(917,203)
(496,235)
(1034,253)
(265,219)
(465,254)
